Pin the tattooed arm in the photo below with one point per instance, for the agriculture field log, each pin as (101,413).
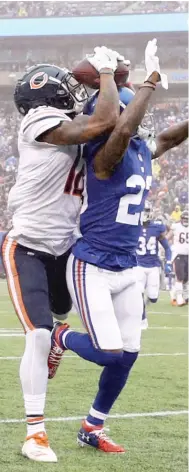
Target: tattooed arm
(171,137)
(114,149)
(83,127)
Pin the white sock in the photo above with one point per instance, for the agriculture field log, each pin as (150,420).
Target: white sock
(34,377)
(178,290)
(173,294)
(186,291)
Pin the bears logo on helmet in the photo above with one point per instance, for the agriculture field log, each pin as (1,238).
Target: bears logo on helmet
(42,80)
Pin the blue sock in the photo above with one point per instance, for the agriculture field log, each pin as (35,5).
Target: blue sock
(112,381)
(83,346)
(144,310)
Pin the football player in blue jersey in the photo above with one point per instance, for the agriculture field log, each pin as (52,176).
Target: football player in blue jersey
(101,271)
(153,232)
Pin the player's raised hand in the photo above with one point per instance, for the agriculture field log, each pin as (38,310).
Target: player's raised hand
(152,63)
(110,52)
(103,58)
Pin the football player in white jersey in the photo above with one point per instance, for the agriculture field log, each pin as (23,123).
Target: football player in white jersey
(45,204)
(180,232)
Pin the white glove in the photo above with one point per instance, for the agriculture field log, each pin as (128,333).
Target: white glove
(116,54)
(127,62)
(152,62)
(104,58)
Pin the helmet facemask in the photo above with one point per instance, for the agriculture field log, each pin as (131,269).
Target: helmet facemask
(77,92)
(147,214)
(185,218)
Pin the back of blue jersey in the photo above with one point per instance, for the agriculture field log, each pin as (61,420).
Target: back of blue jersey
(110,217)
(147,252)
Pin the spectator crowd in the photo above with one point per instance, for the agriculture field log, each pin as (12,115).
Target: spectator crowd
(169,192)
(29,9)
(17,59)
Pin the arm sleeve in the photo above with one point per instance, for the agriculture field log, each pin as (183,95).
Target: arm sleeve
(41,121)
(167,249)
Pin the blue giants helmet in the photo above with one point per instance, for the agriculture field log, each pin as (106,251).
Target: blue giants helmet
(125,96)
(46,84)
(148,212)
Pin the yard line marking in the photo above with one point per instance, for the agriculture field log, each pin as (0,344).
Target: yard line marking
(166,313)
(5,312)
(168,327)
(11,330)
(145,354)
(116,416)
(158,354)
(11,334)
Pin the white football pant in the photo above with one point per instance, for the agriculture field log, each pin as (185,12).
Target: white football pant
(149,280)
(110,304)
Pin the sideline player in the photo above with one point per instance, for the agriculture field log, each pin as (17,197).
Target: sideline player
(153,232)
(45,202)
(101,270)
(180,232)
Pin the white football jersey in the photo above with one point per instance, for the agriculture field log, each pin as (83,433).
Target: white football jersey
(180,240)
(46,199)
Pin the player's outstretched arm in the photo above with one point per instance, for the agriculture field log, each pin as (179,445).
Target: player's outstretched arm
(114,149)
(170,138)
(168,253)
(83,127)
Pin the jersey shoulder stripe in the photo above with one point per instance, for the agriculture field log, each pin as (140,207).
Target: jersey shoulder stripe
(40,114)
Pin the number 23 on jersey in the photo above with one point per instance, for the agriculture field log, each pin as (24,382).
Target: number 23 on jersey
(123,215)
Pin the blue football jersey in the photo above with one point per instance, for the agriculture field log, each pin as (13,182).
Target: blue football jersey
(147,252)
(110,217)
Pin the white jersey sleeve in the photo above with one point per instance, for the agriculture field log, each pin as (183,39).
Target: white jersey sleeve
(39,120)
(180,240)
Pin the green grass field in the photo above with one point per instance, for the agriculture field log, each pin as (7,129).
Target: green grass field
(156,440)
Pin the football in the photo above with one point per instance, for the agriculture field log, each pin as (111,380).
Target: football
(86,74)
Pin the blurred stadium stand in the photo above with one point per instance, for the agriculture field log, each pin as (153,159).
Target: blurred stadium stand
(57,9)
(170,172)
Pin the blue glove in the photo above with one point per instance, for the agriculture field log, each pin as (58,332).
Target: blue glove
(168,268)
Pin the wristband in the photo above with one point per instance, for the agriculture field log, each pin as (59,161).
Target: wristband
(147,86)
(149,82)
(104,71)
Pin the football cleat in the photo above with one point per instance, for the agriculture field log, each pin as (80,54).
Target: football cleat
(180,300)
(96,437)
(56,352)
(174,302)
(182,304)
(37,448)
